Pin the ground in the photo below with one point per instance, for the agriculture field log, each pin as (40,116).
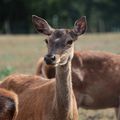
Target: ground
(20,53)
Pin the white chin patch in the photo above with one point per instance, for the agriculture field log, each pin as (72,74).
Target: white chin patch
(63,63)
(60,63)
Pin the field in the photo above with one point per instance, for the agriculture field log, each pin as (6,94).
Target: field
(19,54)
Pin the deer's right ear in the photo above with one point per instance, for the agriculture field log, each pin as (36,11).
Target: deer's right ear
(80,26)
(41,25)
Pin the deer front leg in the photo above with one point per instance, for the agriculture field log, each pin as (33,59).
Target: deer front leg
(117,110)
(117,113)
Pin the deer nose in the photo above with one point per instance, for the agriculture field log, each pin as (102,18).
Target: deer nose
(50,59)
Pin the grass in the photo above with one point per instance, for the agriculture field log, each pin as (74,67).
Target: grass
(19,54)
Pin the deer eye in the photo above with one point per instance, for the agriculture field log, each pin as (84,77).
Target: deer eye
(46,41)
(69,42)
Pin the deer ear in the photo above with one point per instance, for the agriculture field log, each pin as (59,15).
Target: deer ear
(80,26)
(41,25)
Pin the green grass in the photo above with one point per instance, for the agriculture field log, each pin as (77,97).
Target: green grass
(19,54)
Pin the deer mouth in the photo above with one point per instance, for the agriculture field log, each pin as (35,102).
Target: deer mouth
(64,59)
(59,60)
(52,63)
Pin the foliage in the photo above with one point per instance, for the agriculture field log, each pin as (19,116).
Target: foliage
(102,15)
(5,72)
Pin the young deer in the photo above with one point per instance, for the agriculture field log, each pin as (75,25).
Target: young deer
(8,105)
(42,99)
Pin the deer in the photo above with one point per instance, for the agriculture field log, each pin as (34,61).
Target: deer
(8,105)
(44,99)
(95,79)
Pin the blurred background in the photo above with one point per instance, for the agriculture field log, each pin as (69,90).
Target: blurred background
(20,48)
(102,15)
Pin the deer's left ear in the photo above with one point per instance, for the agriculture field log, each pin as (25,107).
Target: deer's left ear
(41,25)
(80,26)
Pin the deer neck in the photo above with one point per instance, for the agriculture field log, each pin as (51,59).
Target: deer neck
(64,89)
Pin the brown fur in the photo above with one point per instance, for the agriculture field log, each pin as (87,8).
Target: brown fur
(96,78)
(36,97)
(8,105)
(50,100)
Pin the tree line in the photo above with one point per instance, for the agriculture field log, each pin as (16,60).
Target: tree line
(102,15)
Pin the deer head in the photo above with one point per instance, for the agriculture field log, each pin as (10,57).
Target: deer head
(60,42)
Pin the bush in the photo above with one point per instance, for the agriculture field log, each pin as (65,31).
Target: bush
(5,72)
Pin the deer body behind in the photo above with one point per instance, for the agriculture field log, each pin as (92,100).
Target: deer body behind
(96,78)
(100,80)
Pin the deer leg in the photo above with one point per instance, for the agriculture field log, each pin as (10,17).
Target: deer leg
(117,113)
(117,110)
